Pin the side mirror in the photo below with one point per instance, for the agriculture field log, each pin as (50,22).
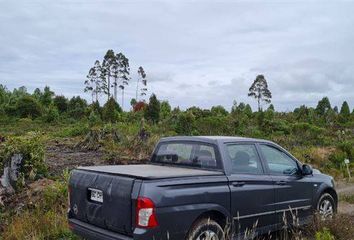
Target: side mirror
(306,170)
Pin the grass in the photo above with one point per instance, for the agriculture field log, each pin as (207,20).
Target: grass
(47,219)
(347,198)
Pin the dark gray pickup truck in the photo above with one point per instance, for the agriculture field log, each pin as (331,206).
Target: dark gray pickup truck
(198,188)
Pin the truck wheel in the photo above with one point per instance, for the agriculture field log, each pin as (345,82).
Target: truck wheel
(326,206)
(206,229)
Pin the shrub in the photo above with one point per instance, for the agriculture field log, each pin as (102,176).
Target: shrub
(52,114)
(94,119)
(325,234)
(31,148)
(78,129)
(139,106)
(185,123)
(337,158)
(27,106)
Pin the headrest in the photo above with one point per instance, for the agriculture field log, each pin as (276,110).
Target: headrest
(206,158)
(242,158)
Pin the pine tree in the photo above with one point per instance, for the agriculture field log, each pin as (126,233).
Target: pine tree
(152,111)
(323,106)
(259,90)
(345,112)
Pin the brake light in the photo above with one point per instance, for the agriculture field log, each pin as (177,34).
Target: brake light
(145,213)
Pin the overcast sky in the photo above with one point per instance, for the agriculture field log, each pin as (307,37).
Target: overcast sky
(200,53)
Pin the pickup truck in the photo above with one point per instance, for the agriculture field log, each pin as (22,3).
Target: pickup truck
(198,188)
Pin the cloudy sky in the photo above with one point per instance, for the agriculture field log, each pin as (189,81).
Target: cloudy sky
(194,52)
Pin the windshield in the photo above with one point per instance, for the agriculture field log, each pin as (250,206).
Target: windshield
(188,154)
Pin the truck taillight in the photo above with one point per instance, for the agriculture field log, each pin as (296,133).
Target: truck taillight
(145,213)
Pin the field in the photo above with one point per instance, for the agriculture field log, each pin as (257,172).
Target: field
(54,141)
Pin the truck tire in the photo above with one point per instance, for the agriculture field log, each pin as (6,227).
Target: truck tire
(326,206)
(206,229)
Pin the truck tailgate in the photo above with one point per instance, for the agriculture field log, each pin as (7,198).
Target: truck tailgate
(114,212)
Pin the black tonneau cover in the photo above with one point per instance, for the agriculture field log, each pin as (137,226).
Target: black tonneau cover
(150,171)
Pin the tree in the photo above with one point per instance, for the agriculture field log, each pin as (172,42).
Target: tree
(271,108)
(345,112)
(152,111)
(52,114)
(123,71)
(323,106)
(165,110)
(47,97)
(27,106)
(218,111)
(61,103)
(259,90)
(133,102)
(111,110)
(185,123)
(142,79)
(107,70)
(77,107)
(95,81)
(89,82)
(37,94)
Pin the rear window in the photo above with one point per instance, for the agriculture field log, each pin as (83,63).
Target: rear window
(187,154)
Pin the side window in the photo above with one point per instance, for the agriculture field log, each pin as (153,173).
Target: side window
(278,162)
(244,158)
(187,153)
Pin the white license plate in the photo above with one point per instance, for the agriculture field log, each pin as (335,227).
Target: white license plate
(96,195)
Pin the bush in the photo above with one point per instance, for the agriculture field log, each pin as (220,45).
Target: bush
(185,123)
(31,148)
(78,129)
(325,234)
(27,106)
(52,114)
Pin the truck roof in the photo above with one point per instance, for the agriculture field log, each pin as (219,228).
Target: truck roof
(213,139)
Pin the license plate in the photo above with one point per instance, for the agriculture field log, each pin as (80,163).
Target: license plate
(96,195)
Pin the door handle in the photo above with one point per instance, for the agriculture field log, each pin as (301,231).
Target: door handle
(280,183)
(238,184)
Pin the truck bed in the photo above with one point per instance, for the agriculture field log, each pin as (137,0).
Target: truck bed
(150,171)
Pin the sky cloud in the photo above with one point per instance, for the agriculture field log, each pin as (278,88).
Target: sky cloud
(194,52)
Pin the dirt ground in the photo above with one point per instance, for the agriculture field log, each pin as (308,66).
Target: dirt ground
(63,155)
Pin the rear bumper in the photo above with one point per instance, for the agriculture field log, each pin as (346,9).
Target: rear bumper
(89,231)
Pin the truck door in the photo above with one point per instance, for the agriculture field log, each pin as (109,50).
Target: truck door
(293,191)
(252,191)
